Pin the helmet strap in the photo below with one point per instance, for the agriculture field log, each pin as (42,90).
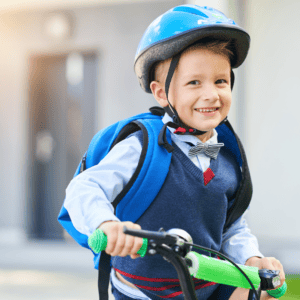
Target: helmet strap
(231,79)
(181,127)
(172,68)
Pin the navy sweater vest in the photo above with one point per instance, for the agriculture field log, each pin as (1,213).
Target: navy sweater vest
(184,202)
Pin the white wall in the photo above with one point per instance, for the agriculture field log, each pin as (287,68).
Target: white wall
(273,107)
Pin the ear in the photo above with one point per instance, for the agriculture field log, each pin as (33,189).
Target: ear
(158,91)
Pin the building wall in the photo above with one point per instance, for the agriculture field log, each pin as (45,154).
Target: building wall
(272,116)
(265,116)
(114,32)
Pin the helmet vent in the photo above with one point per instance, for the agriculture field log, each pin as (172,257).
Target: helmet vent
(190,10)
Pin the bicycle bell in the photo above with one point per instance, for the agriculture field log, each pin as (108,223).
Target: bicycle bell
(183,237)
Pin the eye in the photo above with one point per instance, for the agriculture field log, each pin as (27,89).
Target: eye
(220,81)
(194,82)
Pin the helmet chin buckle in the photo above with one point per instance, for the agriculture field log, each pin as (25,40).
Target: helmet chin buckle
(181,130)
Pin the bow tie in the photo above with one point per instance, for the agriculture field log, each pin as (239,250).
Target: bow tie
(210,150)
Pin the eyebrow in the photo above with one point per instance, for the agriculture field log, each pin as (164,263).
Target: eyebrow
(197,75)
(191,75)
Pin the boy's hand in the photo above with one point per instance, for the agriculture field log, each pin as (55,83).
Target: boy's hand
(118,243)
(270,263)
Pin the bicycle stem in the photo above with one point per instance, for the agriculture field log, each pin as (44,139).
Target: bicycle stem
(185,279)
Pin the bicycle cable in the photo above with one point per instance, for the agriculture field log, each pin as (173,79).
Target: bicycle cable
(228,259)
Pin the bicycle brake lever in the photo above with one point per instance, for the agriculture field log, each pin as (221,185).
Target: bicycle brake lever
(162,237)
(270,279)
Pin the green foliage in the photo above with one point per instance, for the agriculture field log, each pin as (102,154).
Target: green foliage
(293,290)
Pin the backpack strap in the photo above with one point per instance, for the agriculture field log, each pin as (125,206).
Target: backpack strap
(126,131)
(153,168)
(244,193)
(150,167)
(104,267)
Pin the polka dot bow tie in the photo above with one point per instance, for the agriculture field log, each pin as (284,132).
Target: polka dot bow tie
(210,150)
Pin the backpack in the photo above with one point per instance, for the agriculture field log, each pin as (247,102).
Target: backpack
(157,148)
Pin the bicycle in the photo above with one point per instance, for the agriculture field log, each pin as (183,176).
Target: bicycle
(175,246)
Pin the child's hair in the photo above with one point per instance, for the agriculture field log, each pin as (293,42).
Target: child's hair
(215,46)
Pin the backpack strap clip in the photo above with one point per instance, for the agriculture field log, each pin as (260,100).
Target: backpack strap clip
(157,111)
(162,138)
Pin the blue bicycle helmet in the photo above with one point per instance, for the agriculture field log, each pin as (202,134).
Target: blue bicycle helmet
(181,26)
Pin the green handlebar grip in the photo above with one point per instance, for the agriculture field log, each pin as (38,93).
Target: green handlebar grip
(223,272)
(98,242)
(278,292)
(220,271)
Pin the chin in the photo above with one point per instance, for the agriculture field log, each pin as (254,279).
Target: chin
(208,127)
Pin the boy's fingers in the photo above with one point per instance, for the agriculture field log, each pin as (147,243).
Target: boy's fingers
(138,243)
(111,230)
(120,242)
(127,248)
(278,266)
(274,264)
(112,241)
(267,264)
(133,242)
(125,242)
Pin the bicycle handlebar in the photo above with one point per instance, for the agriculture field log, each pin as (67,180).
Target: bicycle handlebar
(98,242)
(201,266)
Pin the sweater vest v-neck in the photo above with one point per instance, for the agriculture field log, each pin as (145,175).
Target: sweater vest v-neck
(184,202)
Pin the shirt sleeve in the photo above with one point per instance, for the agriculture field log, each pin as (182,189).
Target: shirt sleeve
(89,195)
(239,244)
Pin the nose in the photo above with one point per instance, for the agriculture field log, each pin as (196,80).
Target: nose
(210,93)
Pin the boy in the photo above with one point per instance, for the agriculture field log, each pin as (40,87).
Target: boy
(185,60)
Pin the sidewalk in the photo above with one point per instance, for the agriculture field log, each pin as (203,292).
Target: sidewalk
(48,271)
(45,254)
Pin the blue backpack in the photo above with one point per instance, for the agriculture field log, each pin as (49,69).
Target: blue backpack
(153,167)
(150,174)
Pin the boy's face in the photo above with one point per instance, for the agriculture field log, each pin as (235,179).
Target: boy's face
(200,83)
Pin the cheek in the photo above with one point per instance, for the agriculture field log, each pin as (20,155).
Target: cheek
(228,104)
(226,108)
(181,102)
(227,101)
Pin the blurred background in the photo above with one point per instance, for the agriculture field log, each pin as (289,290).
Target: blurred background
(66,71)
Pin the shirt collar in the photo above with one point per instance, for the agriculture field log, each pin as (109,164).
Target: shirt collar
(189,138)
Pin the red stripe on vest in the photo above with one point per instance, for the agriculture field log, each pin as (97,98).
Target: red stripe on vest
(147,278)
(157,289)
(196,288)
(166,287)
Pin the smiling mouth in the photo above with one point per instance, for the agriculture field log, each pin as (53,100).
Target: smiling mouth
(212,109)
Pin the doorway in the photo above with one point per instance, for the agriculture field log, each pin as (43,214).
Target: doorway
(62,106)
